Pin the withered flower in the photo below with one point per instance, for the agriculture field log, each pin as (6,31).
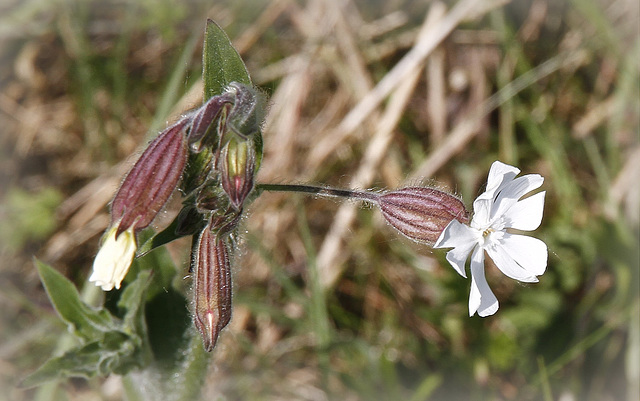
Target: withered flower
(143,193)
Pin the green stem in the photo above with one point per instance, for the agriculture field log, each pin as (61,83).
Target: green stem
(320,191)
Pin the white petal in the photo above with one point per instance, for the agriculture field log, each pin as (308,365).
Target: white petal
(456,234)
(512,191)
(528,252)
(499,175)
(457,257)
(113,259)
(506,264)
(481,298)
(522,185)
(525,214)
(481,212)
(462,239)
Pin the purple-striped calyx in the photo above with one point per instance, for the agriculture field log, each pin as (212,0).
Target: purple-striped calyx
(421,213)
(212,287)
(145,190)
(152,179)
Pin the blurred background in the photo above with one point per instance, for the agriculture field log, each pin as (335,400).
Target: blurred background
(329,302)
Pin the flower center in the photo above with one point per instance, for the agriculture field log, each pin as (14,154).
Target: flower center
(486,234)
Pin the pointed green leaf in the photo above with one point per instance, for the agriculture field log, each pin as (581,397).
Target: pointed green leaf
(162,238)
(78,363)
(115,353)
(116,347)
(132,300)
(84,321)
(221,62)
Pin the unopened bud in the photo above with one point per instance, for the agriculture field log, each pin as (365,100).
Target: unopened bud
(421,213)
(237,165)
(151,180)
(225,222)
(204,128)
(247,114)
(213,202)
(212,288)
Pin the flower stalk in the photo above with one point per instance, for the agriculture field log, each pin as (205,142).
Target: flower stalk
(419,213)
(319,191)
(223,140)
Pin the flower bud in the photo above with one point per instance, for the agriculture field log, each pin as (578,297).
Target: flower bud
(421,213)
(247,114)
(151,180)
(212,287)
(204,127)
(213,202)
(237,164)
(225,222)
(211,197)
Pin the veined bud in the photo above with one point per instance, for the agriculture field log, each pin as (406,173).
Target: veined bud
(213,202)
(152,179)
(212,287)
(421,213)
(225,222)
(237,165)
(204,127)
(211,197)
(247,114)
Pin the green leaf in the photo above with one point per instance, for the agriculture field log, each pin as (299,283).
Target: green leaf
(168,320)
(164,271)
(116,353)
(131,300)
(221,62)
(84,321)
(112,346)
(162,238)
(134,324)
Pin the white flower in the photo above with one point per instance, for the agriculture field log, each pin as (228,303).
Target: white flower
(496,210)
(114,258)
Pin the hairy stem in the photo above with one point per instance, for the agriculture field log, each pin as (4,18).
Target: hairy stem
(320,191)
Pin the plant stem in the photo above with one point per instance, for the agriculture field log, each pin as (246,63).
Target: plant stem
(320,191)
